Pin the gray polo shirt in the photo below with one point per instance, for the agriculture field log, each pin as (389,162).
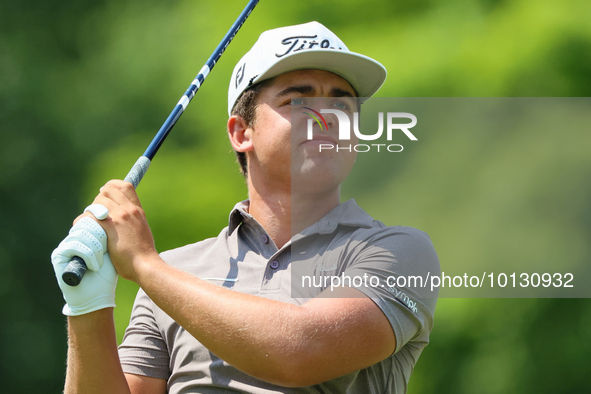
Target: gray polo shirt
(346,243)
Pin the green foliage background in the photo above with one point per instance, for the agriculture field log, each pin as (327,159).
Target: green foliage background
(85,85)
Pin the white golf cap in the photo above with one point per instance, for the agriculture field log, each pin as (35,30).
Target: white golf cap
(306,46)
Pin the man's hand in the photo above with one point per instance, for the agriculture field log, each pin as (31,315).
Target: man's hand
(97,291)
(124,232)
(130,241)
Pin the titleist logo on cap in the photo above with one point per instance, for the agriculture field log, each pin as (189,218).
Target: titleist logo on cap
(304,42)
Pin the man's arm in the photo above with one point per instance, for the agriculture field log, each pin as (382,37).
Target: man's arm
(145,385)
(93,362)
(281,343)
(277,342)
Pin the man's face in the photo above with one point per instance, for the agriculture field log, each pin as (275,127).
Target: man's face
(284,154)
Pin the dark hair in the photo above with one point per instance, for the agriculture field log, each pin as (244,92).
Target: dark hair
(245,107)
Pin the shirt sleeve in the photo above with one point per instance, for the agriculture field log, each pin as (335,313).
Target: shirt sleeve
(143,350)
(396,263)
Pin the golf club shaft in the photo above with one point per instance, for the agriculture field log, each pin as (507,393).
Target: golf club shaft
(75,270)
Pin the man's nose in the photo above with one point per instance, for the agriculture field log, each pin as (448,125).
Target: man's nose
(320,104)
(331,120)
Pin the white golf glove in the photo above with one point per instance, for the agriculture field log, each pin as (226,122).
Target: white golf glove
(87,240)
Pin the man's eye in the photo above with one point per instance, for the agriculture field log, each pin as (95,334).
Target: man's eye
(298,101)
(342,105)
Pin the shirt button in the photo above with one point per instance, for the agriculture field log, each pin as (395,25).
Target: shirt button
(265,238)
(274,264)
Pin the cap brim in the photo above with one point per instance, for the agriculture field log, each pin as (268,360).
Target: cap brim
(364,74)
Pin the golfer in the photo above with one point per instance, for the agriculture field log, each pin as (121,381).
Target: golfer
(219,316)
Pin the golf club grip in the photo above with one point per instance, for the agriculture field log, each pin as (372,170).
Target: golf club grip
(74,272)
(137,172)
(76,268)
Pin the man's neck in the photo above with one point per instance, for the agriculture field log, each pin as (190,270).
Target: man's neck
(283,213)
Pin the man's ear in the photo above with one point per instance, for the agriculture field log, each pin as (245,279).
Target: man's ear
(240,134)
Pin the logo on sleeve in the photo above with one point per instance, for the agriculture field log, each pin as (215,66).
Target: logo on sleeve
(404,299)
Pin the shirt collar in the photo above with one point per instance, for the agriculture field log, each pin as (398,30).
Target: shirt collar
(347,213)
(238,215)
